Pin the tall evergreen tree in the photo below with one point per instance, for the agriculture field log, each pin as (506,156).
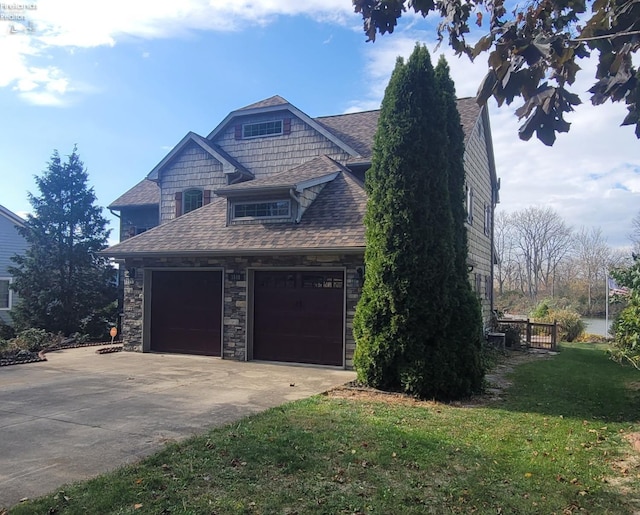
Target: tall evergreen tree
(64,285)
(465,324)
(406,301)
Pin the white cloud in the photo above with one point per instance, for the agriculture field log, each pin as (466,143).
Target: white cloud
(591,176)
(71,24)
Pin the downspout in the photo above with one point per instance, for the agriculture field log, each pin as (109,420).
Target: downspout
(294,195)
(494,202)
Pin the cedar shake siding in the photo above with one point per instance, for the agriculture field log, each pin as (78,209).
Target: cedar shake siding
(269,155)
(192,169)
(480,243)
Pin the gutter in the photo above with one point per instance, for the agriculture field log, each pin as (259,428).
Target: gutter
(234,252)
(293,193)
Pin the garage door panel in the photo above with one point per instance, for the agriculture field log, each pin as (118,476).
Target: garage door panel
(298,316)
(186,312)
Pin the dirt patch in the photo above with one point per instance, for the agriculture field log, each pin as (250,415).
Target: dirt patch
(497,382)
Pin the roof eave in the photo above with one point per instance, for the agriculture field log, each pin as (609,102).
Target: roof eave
(255,191)
(235,252)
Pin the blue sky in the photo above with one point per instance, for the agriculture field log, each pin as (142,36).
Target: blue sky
(126,82)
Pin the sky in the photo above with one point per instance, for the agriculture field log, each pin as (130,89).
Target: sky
(125,81)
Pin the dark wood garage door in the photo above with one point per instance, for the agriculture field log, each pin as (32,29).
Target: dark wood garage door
(186,311)
(298,316)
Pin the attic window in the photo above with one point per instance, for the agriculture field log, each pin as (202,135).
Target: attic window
(256,130)
(274,209)
(192,200)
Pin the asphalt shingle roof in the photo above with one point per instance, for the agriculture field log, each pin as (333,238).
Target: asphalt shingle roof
(313,169)
(145,193)
(267,102)
(355,129)
(332,222)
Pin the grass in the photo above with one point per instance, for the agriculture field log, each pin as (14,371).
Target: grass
(554,445)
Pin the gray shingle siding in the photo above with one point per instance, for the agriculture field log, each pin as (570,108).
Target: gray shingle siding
(477,177)
(194,168)
(273,154)
(11,243)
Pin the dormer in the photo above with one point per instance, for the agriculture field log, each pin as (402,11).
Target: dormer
(280,198)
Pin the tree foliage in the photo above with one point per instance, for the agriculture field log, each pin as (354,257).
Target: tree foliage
(626,344)
(404,315)
(534,51)
(64,284)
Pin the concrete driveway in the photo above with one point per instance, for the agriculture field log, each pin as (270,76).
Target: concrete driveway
(80,413)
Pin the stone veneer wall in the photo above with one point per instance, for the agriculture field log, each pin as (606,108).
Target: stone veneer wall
(236,303)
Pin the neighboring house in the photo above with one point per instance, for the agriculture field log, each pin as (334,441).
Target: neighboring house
(11,243)
(259,248)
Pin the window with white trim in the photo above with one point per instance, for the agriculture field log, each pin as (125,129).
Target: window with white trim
(256,130)
(191,199)
(487,219)
(5,293)
(268,209)
(469,204)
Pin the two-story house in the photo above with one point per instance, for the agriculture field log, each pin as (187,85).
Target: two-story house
(11,243)
(258,252)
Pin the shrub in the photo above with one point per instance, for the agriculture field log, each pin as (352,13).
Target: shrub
(570,324)
(511,335)
(626,327)
(6,331)
(32,340)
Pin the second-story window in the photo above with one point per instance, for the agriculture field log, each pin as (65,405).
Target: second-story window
(192,199)
(469,204)
(271,209)
(255,130)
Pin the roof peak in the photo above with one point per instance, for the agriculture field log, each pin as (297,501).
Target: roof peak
(275,100)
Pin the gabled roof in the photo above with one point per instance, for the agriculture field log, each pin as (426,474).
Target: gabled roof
(357,129)
(229,165)
(333,223)
(145,193)
(469,115)
(274,104)
(354,130)
(11,216)
(275,100)
(316,171)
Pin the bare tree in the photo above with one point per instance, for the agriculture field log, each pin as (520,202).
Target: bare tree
(507,268)
(543,240)
(592,256)
(635,233)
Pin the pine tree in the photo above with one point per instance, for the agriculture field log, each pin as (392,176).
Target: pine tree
(465,324)
(64,285)
(406,302)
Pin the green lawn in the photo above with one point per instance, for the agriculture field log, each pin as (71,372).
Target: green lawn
(554,445)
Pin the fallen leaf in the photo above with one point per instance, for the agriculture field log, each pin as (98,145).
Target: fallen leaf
(528,474)
(137,506)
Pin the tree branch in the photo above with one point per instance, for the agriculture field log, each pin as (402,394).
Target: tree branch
(607,36)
